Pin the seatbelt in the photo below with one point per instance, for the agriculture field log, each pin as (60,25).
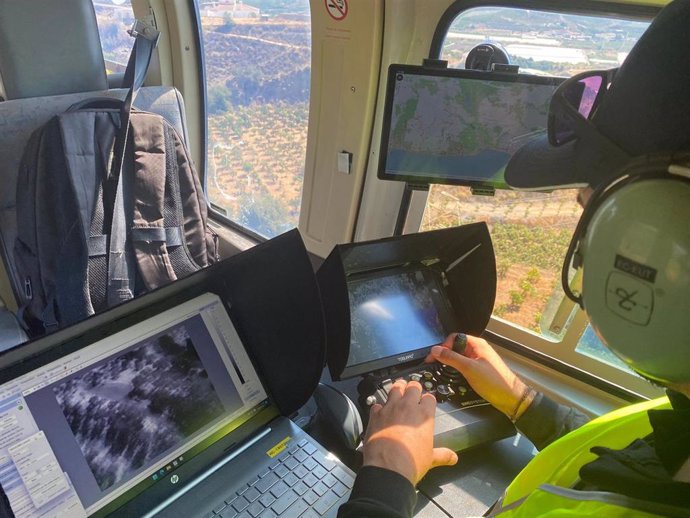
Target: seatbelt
(121,267)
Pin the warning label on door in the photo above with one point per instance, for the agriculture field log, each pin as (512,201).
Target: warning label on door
(337,9)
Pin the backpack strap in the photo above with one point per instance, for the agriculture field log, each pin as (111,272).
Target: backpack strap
(80,150)
(150,238)
(97,245)
(120,265)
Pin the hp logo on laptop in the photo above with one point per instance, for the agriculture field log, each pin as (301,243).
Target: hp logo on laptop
(174,479)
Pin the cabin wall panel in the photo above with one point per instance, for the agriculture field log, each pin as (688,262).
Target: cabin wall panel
(345,73)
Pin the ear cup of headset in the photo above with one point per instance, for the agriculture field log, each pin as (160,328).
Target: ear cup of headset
(633,245)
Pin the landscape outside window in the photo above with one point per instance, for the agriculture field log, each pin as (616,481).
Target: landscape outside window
(258,64)
(530,231)
(114,18)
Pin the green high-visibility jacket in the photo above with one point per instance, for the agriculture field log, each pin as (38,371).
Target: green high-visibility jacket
(542,489)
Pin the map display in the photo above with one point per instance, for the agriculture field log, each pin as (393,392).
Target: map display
(460,129)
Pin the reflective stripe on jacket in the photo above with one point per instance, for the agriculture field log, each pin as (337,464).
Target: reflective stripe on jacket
(543,487)
(549,501)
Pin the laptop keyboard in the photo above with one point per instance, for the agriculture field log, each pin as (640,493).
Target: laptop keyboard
(300,482)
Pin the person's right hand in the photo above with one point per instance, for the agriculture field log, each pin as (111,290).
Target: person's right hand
(484,369)
(400,435)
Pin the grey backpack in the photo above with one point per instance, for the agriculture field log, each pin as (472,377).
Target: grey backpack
(108,207)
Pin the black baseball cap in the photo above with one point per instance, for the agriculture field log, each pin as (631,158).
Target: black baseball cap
(645,110)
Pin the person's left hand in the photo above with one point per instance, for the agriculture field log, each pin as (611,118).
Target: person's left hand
(400,435)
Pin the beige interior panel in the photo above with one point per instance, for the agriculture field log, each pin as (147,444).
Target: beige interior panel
(345,73)
(409,29)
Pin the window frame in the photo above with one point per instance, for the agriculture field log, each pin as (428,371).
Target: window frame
(213,208)
(639,12)
(202,168)
(560,355)
(213,212)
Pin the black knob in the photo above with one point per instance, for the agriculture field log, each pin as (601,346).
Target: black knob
(449,375)
(459,343)
(443,392)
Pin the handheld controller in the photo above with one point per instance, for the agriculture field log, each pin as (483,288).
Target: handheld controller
(463,418)
(444,382)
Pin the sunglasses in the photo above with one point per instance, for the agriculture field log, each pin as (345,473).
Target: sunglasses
(573,104)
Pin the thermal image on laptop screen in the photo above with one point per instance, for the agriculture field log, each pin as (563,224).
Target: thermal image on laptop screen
(81,432)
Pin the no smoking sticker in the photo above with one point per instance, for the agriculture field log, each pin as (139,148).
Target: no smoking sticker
(337,9)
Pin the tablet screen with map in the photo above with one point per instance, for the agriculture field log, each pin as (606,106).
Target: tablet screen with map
(459,127)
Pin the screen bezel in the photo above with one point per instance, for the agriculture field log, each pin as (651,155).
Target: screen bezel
(147,494)
(422,71)
(442,304)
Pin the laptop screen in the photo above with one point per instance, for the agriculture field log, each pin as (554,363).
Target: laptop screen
(98,426)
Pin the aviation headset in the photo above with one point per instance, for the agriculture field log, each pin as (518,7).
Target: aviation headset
(633,245)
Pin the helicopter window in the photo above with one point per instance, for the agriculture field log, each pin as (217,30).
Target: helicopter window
(258,64)
(543,42)
(590,345)
(114,19)
(531,231)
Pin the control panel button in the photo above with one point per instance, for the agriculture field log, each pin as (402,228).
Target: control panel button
(387,385)
(444,391)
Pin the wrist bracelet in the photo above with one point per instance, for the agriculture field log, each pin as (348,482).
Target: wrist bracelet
(527,395)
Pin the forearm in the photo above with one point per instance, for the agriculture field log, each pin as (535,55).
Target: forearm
(379,493)
(545,421)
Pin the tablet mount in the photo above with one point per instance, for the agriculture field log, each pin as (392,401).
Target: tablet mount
(485,56)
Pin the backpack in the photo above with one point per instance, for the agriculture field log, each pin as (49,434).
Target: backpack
(109,206)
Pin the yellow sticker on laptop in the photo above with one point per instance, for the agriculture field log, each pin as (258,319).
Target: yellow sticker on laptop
(279,448)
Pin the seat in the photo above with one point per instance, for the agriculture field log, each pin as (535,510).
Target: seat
(49,48)
(69,69)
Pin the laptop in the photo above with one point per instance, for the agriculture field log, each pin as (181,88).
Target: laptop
(166,418)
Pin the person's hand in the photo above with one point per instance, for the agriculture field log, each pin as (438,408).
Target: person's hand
(484,369)
(400,435)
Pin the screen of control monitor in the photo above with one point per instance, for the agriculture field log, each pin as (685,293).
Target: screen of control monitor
(395,317)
